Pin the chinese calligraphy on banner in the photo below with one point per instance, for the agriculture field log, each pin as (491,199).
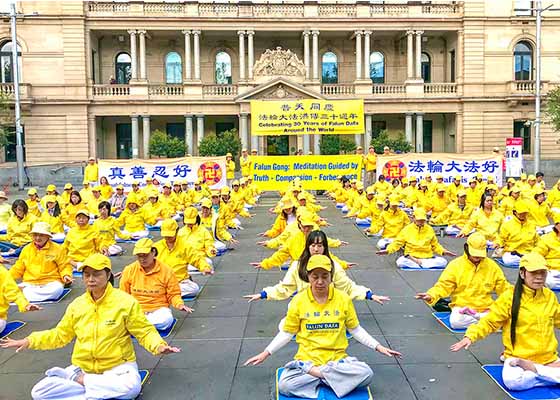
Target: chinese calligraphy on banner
(448,165)
(307,117)
(190,169)
(315,172)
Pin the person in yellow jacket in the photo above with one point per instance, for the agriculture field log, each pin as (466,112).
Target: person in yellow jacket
(287,215)
(473,193)
(527,316)
(154,210)
(132,220)
(5,211)
(382,188)
(540,212)
(106,226)
(470,280)
(65,196)
(486,220)
(179,196)
(453,188)
(50,191)
(82,240)
(291,229)
(438,202)
(321,335)
(91,172)
(42,266)
(362,208)
(530,189)
(196,235)
(105,188)
(53,216)
(316,243)
(549,247)
(102,322)
(370,165)
(69,213)
(506,190)
(421,197)
(94,201)
(10,293)
(508,202)
(168,200)
(390,222)
(178,255)
(153,284)
(85,192)
(230,168)
(215,225)
(18,232)
(245,163)
(33,202)
(455,216)
(136,194)
(419,243)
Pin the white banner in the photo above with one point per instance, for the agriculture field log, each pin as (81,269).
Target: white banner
(514,157)
(190,169)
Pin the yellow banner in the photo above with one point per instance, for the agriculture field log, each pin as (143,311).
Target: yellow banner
(314,172)
(307,117)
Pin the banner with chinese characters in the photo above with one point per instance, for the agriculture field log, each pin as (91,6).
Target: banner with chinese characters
(307,117)
(314,172)
(447,164)
(123,172)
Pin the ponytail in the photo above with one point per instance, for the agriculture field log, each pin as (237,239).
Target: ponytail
(515,305)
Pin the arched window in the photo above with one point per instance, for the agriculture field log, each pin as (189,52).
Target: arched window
(6,63)
(223,68)
(523,61)
(173,69)
(377,67)
(329,68)
(426,67)
(122,68)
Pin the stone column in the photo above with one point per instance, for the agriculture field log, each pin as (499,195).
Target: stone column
(419,54)
(188,70)
(315,55)
(368,134)
(199,129)
(89,59)
(243,130)
(306,55)
(459,132)
(419,132)
(241,55)
(358,35)
(134,120)
(306,144)
(92,136)
(146,136)
(367,35)
(316,148)
(408,127)
(459,56)
(196,40)
(250,54)
(189,133)
(409,55)
(142,41)
(133,64)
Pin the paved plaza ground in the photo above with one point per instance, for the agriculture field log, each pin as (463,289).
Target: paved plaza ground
(225,330)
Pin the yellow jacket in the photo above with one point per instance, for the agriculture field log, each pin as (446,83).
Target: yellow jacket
(156,289)
(91,173)
(41,266)
(278,227)
(199,238)
(93,205)
(417,242)
(107,229)
(136,196)
(34,207)
(507,205)
(291,229)
(86,196)
(57,226)
(106,191)
(132,221)
(391,223)
(487,224)
(245,163)
(80,242)
(5,213)
(292,283)
(230,169)
(473,196)
(539,314)
(216,226)
(437,204)
(452,190)
(180,256)
(539,213)
(69,213)
(515,236)
(154,212)
(169,203)
(553,197)
(469,285)
(18,230)
(102,330)
(9,292)
(453,216)
(549,247)
(371,162)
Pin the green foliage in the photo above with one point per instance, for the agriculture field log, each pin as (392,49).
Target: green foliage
(226,142)
(398,145)
(336,144)
(162,145)
(7,119)
(552,110)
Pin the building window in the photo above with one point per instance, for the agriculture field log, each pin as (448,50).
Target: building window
(377,67)
(377,127)
(173,69)
(329,68)
(6,62)
(122,68)
(222,127)
(426,64)
(223,68)
(452,66)
(523,8)
(523,61)
(10,148)
(522,129)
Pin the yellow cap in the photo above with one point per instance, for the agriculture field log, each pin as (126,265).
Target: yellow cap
(511,180)
(243,181)
(404,180)
(215,193)
(533,262)
(253,150)
(42,228)
(440,188)
(96,189)
(83,211)
(539,190)
(50,199)
(523,176)
(319,261)
(490,178)
(120,187)
(301,196)
(96,261)
(492,187)
(51,188)
(306,219)
(477,245)
(229,155)
(458,177)
(31,191)
(479,176)
(359,186)
(143,246)
(521,207)
(288,204)
(394,201)
(244,149)
(439,176)
(531,178)
(235,183)
(224,190)
(85,183)
(68,186)
(420,214)
(370,190)
(177,183)
(169,227)
(3,195)
(152,193)
(166,185)
(206,202)
(515,189)
(190,214)
(461,193)
(148,179)
(423,182)
(413,179)
(473,179)
(359,148)
(135,183)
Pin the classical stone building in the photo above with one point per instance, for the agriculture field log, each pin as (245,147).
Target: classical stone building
(452,76)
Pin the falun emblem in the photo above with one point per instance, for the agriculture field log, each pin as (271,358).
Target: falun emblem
(210,172)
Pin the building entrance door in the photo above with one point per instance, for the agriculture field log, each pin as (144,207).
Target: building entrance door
(277,145)
(124,141)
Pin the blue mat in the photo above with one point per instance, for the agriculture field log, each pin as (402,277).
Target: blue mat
(59,241)
(538,393)
(143,377)
(501,263)
(166,332)
(57,300)
(153,228)
(366,225)
(11,327)
(421,269)
(191,298)
(443,318)
(77,274)
(119,240)
(325,393)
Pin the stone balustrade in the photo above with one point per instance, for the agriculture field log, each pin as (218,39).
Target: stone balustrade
(440,88)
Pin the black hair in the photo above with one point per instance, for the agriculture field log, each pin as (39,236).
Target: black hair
(20,203)
(515,305)
(56,210)
(539,174)
(483,198)
(111,276)
(75,193)
(466,249)
(104,204)
(313,237)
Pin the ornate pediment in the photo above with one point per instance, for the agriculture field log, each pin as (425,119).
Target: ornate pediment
(279,62)
(277,89)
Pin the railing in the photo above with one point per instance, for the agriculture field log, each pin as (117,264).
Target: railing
(440,9)
(278,10)
(103,7)
(387,9)
(218,10)
(337,10)
(440,88)
(388,89)
(7,89)
(111,90)
(163,8)
(337,89)
(165,90)
(219,90)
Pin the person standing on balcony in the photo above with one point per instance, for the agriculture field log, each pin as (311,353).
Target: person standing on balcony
(91,172)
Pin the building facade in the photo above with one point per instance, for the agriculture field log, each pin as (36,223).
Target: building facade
(98,77)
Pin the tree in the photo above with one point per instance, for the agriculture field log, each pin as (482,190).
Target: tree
(162,145)
(226,142)
(335,144)
(398,145)
(7,119)
(552,110)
